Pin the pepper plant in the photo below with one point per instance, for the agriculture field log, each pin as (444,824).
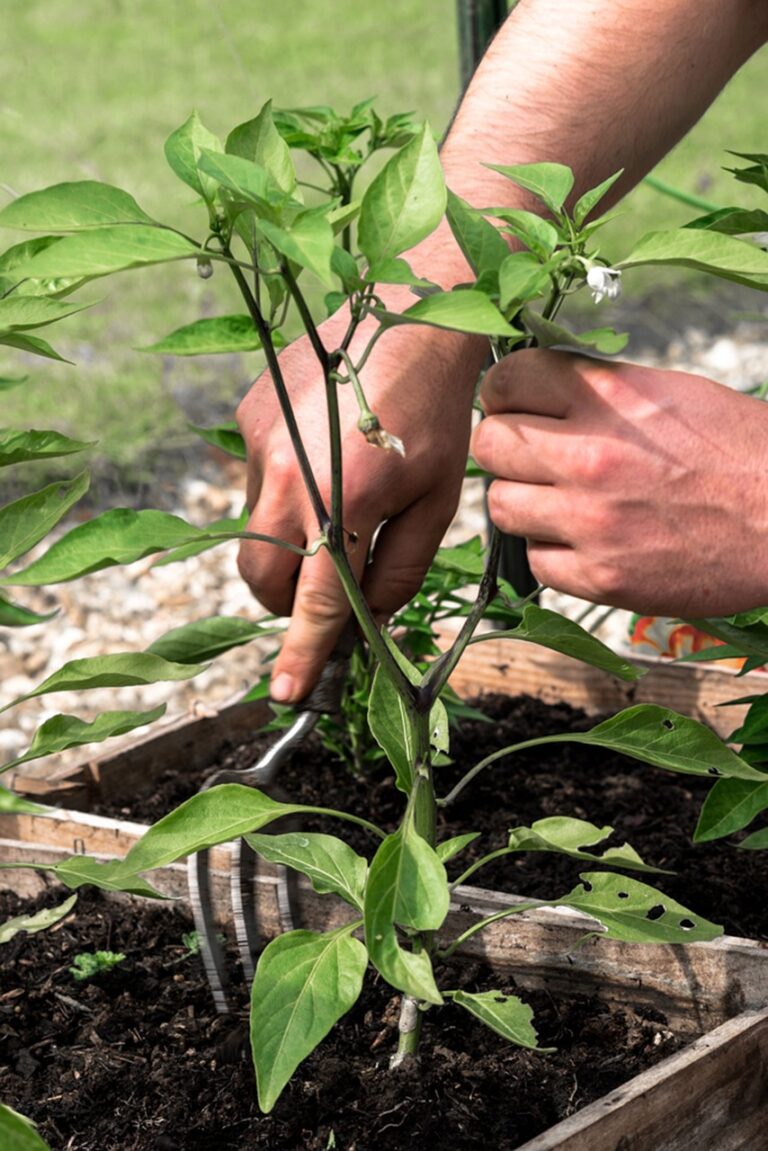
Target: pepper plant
(257,227)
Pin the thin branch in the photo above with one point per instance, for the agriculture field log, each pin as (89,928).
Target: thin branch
(307,318)
(489,759)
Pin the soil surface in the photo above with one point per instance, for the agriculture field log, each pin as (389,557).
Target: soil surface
(137,1060)
(654,810)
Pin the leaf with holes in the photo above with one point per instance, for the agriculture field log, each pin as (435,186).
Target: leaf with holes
(636,913)
(505,1014)
(570,836)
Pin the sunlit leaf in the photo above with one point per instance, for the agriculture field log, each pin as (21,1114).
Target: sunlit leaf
(258,140)
(636,913)
(304,983)
(226,437)
(13,804)
(17,447)
(330,864)
(483,245)
(550,183)
(307,240)
(122,669)
(452,847)
(461,311)
(182,151)
(16,615)
(204,639)
(216,336)
(25,521)
(729,806)
(569,836)
(36,921)
(32,345)
(70,207)
(34,311)
(105,250)
(404,202)
(722,255)
(551,335)
(590,199)
(407,886)
(64,731)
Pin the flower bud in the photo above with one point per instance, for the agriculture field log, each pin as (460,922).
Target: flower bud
(204,268)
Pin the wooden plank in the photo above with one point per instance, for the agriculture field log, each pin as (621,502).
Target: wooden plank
(514,668)
(696,987)
(713,1096)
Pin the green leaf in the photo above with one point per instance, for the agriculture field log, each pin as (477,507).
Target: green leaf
(483,245)
(36,921)
(713,252)
(505,1014)
(182,151)
(16,615)
(250,183)
(537,234)
(63,731)
(7,383)
(119,536)
(393,721)
(461,311)
(407,886)
(522,277)
(550,183)
(404,202)
(81,870)
(590,199)
(330,864)
(18,447)
(34,311)
(757,841)
(106,250)
(32,345)
(732,221)
(204,639)
(25,521)
(395,271)
(569,836)
(258,140)
(18,1133)
(308,241)
(636,913)
(551,335)
(452,847)
(13,804)
(304,983)
(666,739)
(729,806)
(756,174)
(217,533)
(122,669)
(210,817)
(550,629)
(225,437)
(464,559)
(216,336)
(71,207)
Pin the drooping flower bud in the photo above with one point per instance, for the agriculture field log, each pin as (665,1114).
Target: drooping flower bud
(376,435)
(605,283)
(204,268)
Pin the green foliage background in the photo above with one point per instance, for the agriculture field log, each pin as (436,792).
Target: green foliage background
(91,90)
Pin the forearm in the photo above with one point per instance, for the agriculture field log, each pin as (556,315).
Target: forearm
(597,86)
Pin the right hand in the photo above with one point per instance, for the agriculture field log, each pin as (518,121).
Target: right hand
(420,383)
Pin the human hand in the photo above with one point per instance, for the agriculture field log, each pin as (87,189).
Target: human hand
(419,382)
(635,487)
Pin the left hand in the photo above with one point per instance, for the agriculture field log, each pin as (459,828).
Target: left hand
(635,487)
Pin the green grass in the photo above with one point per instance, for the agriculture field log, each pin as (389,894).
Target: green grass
(91,90)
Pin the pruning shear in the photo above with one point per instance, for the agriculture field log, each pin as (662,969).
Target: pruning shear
(324,698)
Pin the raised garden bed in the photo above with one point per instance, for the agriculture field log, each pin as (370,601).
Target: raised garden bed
(695,989)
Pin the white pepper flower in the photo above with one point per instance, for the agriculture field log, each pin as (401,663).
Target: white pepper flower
(605,283)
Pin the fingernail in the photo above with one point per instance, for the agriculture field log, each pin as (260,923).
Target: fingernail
(282,688)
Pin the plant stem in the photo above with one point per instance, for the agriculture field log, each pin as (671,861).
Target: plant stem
(446,952)
(307,319)
(437,676)
(409,1032)
(570,737)
(323,519)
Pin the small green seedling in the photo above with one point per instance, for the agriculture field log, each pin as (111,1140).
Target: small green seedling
(89,964)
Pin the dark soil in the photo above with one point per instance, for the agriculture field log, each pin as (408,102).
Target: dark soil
(137,1059)
(654,810)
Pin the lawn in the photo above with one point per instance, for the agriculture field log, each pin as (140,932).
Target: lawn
(91,90)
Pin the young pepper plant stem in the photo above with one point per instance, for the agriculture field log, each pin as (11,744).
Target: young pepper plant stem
(570,737)
(284,399)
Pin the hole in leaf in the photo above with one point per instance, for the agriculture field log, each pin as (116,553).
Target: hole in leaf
(500,998)
(655,912)
(714,771)
(668,724)
(587,885)
(623,894)
(687,924)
